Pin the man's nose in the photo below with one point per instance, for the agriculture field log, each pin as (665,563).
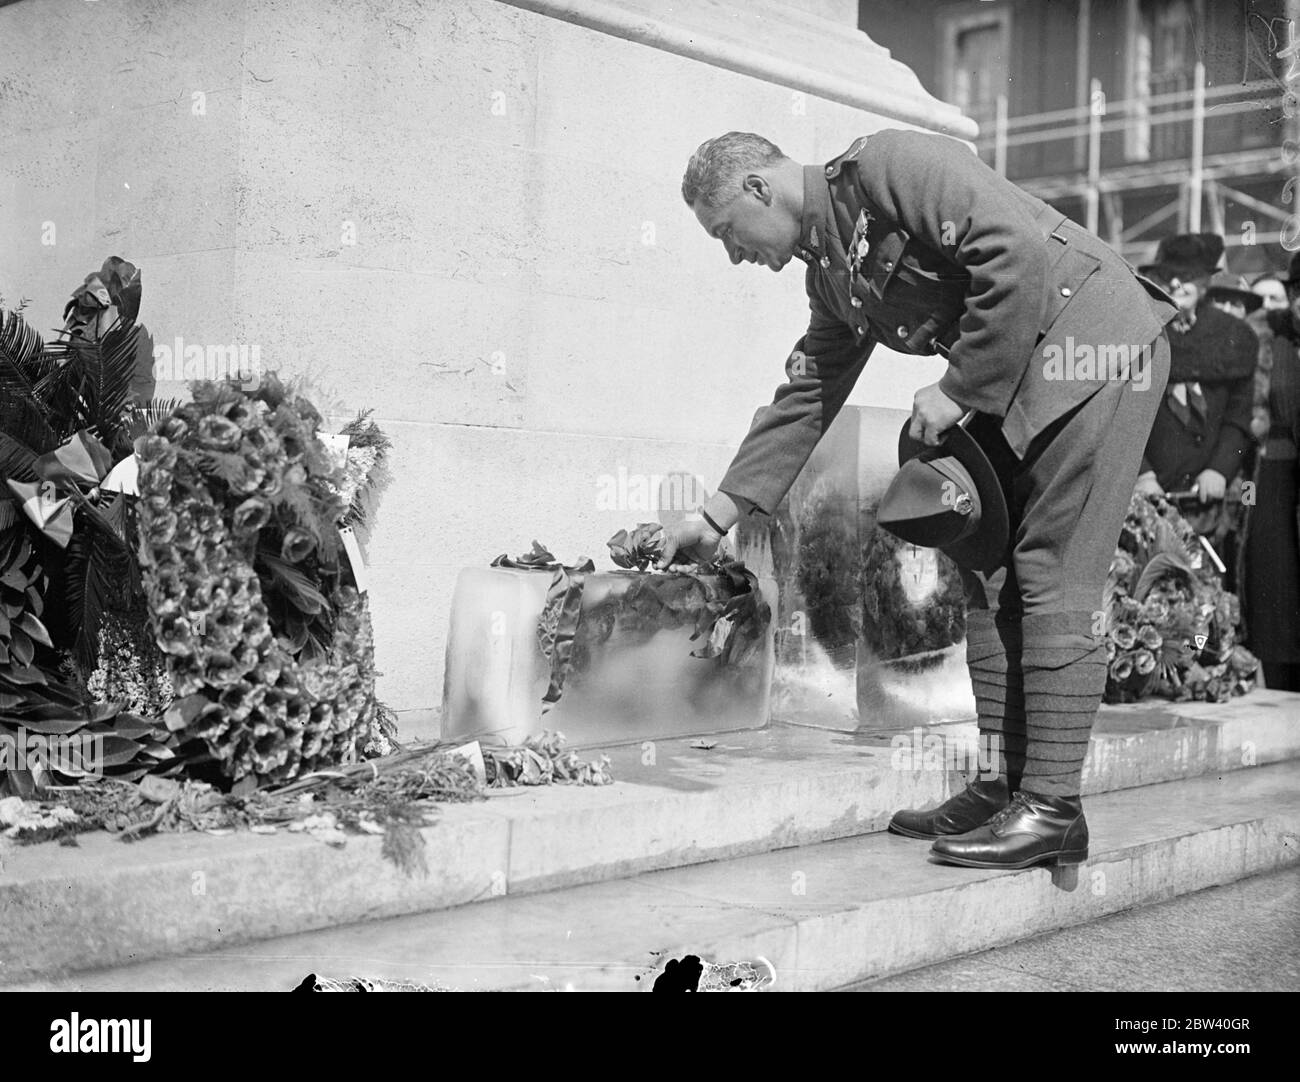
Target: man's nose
(733,253)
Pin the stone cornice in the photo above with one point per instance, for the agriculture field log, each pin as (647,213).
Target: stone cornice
(793,49)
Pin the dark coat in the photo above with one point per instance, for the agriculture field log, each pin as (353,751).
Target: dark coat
(1219,352)
(956,260)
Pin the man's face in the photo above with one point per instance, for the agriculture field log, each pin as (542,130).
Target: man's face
(752,226)
(1273,292)
(1187,292)
(1230,305)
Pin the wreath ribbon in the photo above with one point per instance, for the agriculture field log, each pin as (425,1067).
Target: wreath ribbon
(82,460)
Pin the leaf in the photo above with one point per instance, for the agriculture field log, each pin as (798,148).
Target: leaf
(183,711)
(294,586)
(1161,565)
(93,389)
(34,628)
(50,726)
(17,460)
(25,675)
(118,751)
(159,790)
(98,574)
(21,647)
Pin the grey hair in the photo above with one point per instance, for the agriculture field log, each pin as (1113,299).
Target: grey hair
(717,162)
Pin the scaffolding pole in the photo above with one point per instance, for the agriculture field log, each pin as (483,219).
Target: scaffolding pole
(1097,109)
(1196,180)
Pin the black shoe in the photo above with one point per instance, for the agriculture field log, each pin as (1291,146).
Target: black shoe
(1030,830)
(973,806)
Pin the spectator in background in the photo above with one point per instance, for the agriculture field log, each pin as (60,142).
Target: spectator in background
(1230,293)
(1269,285)
(1270,571)
(1201,434)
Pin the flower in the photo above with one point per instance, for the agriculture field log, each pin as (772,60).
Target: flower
(1144,662)
(1149,637)
(1121,668)
(1124,636)
(251,515)
(162,528)
(218,432)
(297,545)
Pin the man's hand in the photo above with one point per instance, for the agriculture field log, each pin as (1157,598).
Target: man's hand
(1148,485)
(1211,485)
(933,413)
(689,542)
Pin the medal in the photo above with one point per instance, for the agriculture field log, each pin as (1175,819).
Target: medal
(859,246)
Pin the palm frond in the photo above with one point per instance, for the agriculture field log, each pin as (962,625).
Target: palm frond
(21,348)
(93,389)
(143,419)
(97,573)
(24,361)
(16,460)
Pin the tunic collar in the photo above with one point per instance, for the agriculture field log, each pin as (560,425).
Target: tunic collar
(817,226)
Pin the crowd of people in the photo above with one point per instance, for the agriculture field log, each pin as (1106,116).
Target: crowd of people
(1224,442)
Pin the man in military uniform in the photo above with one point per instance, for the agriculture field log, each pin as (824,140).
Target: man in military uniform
(1055,348)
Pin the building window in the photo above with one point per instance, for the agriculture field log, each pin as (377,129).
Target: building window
(973,62)
(1162,61)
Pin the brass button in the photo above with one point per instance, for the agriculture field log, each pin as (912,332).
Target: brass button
(825,261)
(889,264)
(1065,291)
(856,302)
(861,331)
(902,331)
(830,170)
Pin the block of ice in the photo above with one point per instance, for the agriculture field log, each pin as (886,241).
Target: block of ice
(870,630)
(633,676)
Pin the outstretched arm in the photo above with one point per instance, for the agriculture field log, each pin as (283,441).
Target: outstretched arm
(821,371)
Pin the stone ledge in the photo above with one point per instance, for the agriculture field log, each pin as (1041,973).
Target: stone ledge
(853,71)
(825,916)
(107,903)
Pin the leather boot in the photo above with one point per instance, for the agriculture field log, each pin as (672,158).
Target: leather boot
(974,805)
(1032,829)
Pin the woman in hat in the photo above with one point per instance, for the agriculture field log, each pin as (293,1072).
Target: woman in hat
(1271,565)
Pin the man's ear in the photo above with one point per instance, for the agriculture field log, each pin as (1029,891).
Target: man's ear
(759,187)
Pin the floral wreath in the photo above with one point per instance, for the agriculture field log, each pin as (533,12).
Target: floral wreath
(252,596)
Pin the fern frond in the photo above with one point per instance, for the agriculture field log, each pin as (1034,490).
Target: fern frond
(228,466)
(143,419)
